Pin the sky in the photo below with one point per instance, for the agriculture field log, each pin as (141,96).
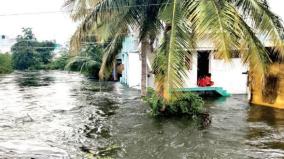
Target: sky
(55,26)
(52,26)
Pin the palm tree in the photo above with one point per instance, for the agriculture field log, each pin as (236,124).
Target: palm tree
(88,61)
(117,17)
(228,24)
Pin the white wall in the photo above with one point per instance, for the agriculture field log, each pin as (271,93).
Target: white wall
(6,44)
(124,58)
(134,70)
(229,75)
(191,79)
(226,75)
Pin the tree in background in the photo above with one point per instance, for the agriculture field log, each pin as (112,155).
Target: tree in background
(28,53)
(60,62)
(44,51)
(5,63)
(88,61)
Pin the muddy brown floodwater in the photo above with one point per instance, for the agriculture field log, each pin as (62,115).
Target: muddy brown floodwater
(64,115)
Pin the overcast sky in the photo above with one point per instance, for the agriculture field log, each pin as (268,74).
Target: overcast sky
(56,26)
(51,26)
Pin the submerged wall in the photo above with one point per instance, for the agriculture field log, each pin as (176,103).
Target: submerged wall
(270,91)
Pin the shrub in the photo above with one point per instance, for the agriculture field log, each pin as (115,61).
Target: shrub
(30,54)
(186,104)
(85,65)
(88,61)
(59,63)
(5,63)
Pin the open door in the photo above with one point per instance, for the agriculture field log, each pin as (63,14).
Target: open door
(203,63)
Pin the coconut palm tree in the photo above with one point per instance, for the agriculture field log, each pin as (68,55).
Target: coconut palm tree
(88,61)
(112,19)
(229,25)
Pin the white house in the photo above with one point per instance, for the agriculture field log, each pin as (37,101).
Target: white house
(130,58)
(6,43)
(228,77)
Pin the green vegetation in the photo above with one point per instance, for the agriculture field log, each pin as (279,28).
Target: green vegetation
(60,62)
(5,63)
(187,104)
(30,54)
(183,23)
(88,61)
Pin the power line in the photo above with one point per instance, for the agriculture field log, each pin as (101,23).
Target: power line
(71,10)
(31,13)
(86,43)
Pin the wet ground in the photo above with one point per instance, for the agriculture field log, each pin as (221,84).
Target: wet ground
(64,115)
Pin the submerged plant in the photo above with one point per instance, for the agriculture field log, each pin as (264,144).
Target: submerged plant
(5,63)
(85,65)
(186,104)
(87,62)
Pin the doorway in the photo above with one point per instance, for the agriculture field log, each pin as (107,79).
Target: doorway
(203,63)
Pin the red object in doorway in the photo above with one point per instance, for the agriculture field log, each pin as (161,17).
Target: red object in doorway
(205,81)
(201,82)
(208,80)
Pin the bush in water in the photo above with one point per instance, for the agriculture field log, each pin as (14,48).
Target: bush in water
(59,63)
(187,104)
(5,63)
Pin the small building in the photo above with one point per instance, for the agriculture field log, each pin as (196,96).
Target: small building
(228,77)
(6,43)
(129,58)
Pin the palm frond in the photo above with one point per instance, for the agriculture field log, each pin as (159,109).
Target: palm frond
(252,50)
(221,23)
(265,22)
(213,22)
(149,23)
(169,64)
(82,64)
(118,30)
(113,16)
(110,53)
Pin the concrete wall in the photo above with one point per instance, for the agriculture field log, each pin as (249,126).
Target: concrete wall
(227,75)
(258,87)
(191,79)
(131,76)
(6,44)
(134,70)
(130,57)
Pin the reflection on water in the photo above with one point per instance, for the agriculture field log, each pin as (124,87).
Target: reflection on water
(64,115)
(34,79)
(266,131)
(272,117)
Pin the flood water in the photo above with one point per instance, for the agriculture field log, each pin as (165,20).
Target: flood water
(64,115)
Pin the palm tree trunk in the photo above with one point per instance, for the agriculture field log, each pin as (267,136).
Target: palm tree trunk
(145,49)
